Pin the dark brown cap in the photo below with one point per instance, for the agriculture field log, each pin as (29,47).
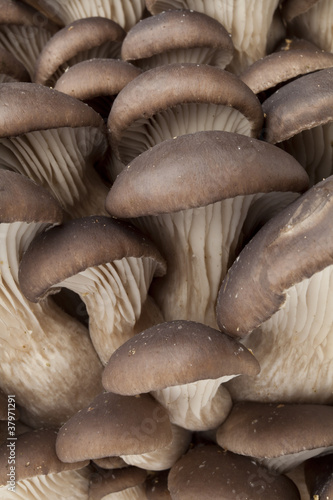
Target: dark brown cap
(114,425)
(175,30)
(175,353)
(77,245)
(208,472)
(199,169)
(74,40)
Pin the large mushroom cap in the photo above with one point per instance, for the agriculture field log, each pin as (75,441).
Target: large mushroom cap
(174,353)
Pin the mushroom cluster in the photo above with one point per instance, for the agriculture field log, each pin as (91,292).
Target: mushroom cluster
(166,249)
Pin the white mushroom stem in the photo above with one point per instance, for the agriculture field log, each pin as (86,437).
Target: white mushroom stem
(313,150)
(47,359)
(198,406)
(114,295)
(61,160)
(294,347)
(178,120)
(24,42)
(73,484)
(199,245)
(124,12)
(162,458)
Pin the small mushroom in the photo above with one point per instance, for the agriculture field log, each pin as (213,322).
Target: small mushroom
(177,36)
(184,366)
(81,40)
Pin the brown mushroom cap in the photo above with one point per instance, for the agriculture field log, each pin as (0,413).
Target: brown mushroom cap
(25,192)
(175,353)
(96,77)
(272,430)
(173,30)
(281,66)
(12,67)
(19,13)
(77,245)
(181,84)
(81,35)
(217,164)
(291,247)
(300,105)
(114,425)
(208,472)
(25,107)
(34,456)
(294,8)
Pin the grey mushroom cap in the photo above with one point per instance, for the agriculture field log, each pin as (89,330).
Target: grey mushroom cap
(175,353)
(103,483)
(208,472)
(289,248)
(11,66)
(217,164)
(81,35)
(300,105)
(293,8)
(85,242)
(96,77)
(19,13)
(176,29)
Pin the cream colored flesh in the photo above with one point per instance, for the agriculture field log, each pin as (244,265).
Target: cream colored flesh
(67,485)
(294,348)
(61,160)
(24,42)
(198,406)
(248,21)
(199,245)
(124,12)
(162,458)
(313,150)
(113,294)
(134,493)
(46,359)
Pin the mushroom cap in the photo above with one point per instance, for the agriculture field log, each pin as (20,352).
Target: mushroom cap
(81,35)
(208,472)
(292,246)
(77,245)
(32,202)
(197,169)
(96,77)
(11,66)
(175,29)
(175,353)
(19,13)
(166,86)
(281,66)
(114,425)
(294,8)
(103,483)
(299,105)
(34,456)
(267,430)
(25,107)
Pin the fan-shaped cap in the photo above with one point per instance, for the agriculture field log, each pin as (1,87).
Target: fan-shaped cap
(96,77)
(77,245)
(114,425)
(169,85)
(175,353)
(208,472)
(34,456)
(175,29)
(300,105)
(267,430)
(291,247)
(32,202)
(18,13)
(198,169)
(25,107)
(81,35)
